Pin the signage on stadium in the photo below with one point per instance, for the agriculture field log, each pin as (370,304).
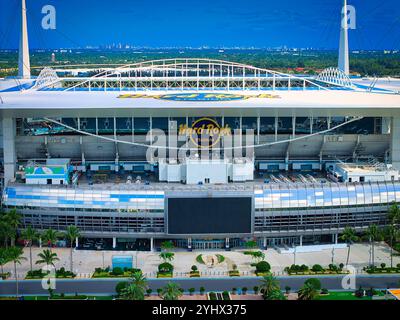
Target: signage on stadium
(204,132)
(201,96)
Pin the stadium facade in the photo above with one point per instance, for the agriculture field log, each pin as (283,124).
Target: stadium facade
(323,152)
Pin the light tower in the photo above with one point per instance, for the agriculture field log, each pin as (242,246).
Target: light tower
(343,63)
(24,67)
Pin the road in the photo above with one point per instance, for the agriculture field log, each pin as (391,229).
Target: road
(107,286)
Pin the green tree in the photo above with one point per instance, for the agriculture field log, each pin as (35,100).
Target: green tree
(373,234)
(167,256)
(4,258)
(171,291)
(316,283)
(13,219)
(252,244)
(307,292)
(257,256)
(263,266)
(7,231)
(137,287)
(394,214)
(30,235)
(47,257)
(167,245)
(50,236)
(269,284)
(16,256)
(392,233)
(72,234)
(276,295)
(121,286)
(348,236)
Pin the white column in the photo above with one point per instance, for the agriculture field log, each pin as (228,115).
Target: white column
(343,61)
(301,241)
(24,68)
(76,242)
(265,243)
(151,244)
(394,143)
(114,245)
(189,243)
(227,243)
(9,154)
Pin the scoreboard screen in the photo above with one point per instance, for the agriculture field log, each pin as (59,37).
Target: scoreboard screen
(209,215)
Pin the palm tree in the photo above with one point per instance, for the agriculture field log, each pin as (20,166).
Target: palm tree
(4,258)
(137,288)
(30,235)
(167,256)
(373,234)
(307,292)
(394,214)
(13,219)
(50,236)
(72,234)
(392,232)
(171,291)
(268,286)
(167,245)
(16,256)
(48,258)
(250,245)
(276,295)
(6,230)
(348,236)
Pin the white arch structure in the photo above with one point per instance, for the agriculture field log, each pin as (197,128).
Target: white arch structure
(188,74)
(47,78)
(335,77)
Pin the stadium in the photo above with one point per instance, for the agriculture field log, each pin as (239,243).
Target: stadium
(248,153)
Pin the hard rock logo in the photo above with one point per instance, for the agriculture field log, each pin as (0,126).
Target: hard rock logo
(205,132)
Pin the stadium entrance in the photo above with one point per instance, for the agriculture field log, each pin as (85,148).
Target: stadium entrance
(209,244)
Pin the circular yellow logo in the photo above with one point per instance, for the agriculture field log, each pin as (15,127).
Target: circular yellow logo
(205,132)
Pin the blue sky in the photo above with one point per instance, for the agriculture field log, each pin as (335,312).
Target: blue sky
(260,23)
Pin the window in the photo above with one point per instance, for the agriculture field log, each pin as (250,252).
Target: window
(124,125)
(267,125)
(285,125)
(249,123)
(160,123)
(105,125)
(303,125)
(141,125)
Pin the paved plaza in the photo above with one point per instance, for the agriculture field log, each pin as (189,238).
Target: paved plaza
(85,261)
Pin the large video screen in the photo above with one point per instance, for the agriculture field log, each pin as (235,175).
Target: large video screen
(209,215)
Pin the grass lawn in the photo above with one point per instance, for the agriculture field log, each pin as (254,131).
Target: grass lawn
(89,298)
(342,295)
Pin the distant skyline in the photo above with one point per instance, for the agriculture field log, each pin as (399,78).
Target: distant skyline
(189,23)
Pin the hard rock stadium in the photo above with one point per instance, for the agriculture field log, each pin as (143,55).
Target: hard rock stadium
(326,152)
